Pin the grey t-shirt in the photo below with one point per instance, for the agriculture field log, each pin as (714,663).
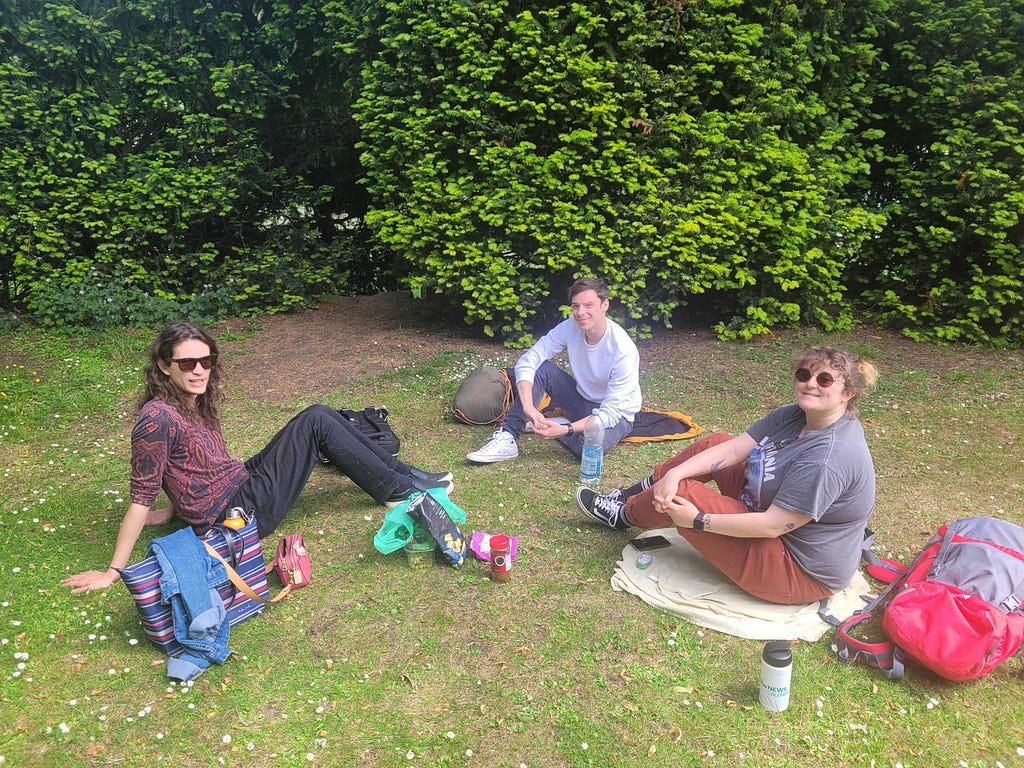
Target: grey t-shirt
(827,475)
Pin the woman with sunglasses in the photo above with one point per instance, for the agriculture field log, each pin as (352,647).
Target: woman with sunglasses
(794,491)
(177,447)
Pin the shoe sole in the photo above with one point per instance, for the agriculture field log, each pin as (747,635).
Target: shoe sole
(444,479)
(474,459)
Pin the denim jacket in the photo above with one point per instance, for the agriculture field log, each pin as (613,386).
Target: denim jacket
(188,583)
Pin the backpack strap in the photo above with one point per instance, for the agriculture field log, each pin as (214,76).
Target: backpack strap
(884,656)
(881,568)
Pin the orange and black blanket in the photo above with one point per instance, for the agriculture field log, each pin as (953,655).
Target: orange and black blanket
(651,425)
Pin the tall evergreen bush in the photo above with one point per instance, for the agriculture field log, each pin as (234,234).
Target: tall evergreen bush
(949,265)
(676,150)
(142,177)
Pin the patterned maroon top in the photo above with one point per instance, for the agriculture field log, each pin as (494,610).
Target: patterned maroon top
(188,461)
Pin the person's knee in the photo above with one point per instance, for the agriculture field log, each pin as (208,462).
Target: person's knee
(547,373)
(314,415)
(317,411)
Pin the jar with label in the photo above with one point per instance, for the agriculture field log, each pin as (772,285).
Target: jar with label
(501,558)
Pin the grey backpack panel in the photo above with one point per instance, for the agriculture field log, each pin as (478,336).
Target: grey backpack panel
(976,566)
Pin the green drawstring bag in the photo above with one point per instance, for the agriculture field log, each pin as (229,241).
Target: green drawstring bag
(398,527)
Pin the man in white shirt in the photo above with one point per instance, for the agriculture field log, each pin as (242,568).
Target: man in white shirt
(605,376)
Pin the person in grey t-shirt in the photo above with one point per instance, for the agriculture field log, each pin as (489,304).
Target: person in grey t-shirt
(794,491)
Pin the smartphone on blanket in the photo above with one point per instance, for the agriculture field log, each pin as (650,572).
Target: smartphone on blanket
(645,543)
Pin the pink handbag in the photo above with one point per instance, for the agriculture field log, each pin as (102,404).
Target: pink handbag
(291,564)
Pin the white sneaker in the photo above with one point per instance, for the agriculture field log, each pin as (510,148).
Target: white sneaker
(501,447)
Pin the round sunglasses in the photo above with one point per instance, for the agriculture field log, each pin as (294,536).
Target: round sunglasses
(824,379)
(188,364)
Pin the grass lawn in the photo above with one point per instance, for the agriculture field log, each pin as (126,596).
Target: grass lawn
(377,664)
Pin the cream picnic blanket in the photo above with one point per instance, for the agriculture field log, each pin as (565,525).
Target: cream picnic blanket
(684,583)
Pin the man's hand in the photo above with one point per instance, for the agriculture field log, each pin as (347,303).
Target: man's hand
(87,581)
(548,429)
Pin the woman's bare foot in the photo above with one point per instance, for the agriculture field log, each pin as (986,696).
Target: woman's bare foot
(159,516)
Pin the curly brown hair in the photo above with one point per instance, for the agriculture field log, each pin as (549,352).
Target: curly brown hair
(206,407)
(859,375)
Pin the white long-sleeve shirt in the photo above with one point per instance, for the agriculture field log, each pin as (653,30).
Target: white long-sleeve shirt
(607,372)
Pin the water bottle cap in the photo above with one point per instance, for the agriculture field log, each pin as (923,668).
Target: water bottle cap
(777,654)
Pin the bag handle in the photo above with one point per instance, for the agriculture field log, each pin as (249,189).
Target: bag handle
(236,545)
(882,568)
(240,584)
(884,656)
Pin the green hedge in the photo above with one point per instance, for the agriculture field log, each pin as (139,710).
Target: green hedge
(949,265)
(767,163)
(674,151)
(140,177)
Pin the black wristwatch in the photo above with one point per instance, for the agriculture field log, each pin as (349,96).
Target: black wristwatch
(699,522)
(571,430)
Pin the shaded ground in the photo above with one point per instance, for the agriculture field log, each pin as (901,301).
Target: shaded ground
(308,354)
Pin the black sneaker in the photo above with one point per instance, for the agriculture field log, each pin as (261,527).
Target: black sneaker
(605,509)
(440,479)
(416,485)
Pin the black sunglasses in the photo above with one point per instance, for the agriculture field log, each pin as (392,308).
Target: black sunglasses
(188,364)
(824,379)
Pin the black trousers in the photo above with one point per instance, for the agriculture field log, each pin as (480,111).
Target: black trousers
(279,472)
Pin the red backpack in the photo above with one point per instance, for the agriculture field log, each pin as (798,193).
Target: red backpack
(956,610)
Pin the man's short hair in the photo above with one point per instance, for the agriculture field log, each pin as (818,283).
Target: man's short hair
(589,284)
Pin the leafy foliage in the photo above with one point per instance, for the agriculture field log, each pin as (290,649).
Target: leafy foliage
(764,164)
(144,178)
(675,151)
(949,264)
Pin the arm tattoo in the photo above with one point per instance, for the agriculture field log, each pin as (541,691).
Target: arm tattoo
(790,527)
(718,465)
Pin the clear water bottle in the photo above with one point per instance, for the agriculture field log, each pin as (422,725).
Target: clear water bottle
(593,453)
(776,674)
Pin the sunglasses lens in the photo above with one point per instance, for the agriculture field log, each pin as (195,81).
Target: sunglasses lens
(824,379)
(188,364)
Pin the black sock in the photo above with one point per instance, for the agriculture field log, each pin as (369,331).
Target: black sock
(636,488)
